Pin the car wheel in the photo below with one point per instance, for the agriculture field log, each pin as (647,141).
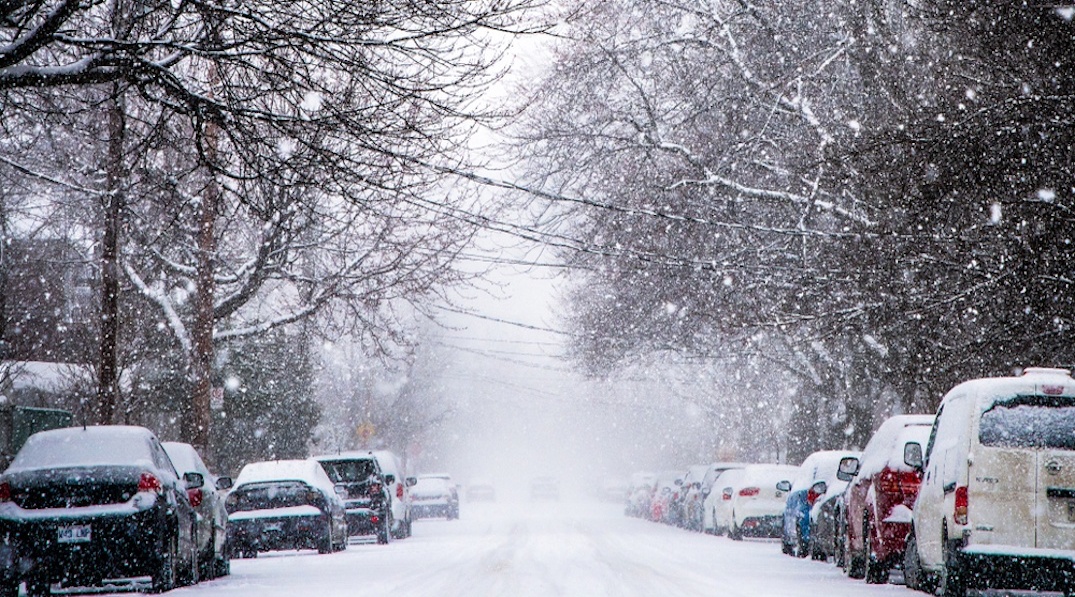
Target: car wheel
(164,577)
(914,577)
(787,547)
(876,572)
(188,576)
(324,543)
(37,587)
(221,565)
(735,533)
(951,582)
(384,532)
(801,548)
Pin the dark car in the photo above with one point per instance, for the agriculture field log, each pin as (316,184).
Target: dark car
(211,532)
(816,479)
(367,499)
(82,505)
(284,504)
(828,526)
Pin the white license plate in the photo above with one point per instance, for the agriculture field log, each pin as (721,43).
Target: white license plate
(77,533)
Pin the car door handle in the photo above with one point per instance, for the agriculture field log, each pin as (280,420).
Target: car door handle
(949,488)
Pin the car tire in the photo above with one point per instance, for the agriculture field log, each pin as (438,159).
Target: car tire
(876,573)
(802,549)
(735,533)
(37,587)
(914,577)
(384,532)
(787,547)
(951,582)
(164,576)
(221,565)
(189,575)
(325,543)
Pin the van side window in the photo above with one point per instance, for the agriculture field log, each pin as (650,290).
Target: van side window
(1030,422)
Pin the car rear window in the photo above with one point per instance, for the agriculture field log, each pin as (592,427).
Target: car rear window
(349,471)
(267,496)
(1030,422)
(83,449)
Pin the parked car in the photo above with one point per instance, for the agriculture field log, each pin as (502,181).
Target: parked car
(366,497)
(996,509)
(686,504)
(84,504)
(545,488)
(211,531)
(285,504)
(752,502)
(828,521)
(399,492)
(698,493)
(481,490)
(816,475)
(719,500)
(639,494)
(434,496)
(880,497)
(665,492)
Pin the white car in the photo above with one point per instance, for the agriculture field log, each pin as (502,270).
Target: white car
(996,508)
(396,482)
(434,496)
(750,504)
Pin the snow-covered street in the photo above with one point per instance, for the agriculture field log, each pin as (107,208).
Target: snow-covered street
(522,549)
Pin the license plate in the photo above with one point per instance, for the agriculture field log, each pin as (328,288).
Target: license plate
(77,533)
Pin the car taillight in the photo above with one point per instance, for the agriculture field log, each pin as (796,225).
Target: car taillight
(726,494)
(148,482)
(5,492)
(195,497)
(749,492)
(399,490)
(961,505)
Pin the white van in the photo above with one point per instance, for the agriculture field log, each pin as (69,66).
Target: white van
(996,508)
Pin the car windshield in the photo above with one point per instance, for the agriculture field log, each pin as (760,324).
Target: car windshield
(1030,422)
(267,496)
(349,471)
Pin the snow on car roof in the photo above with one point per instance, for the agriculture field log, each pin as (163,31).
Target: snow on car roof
(768,474)
(880,449)
(97,445)
(184,457)
(819,466)
(389,462)
(1034,380)
(307,470)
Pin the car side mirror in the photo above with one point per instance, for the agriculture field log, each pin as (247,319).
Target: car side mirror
(193,480)
(679,482)
(849,467)
(820,488)
(224,483)
(411,481)
(784,486)
(341,490)
(912,455)
(389,479)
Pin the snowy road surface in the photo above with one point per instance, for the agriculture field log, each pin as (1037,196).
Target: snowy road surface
(545,549)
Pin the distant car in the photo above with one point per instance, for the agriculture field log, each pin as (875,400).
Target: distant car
(686,506)
(434,497)
(366,496)
(880,498)
(817,474)
(719,500)
(639,494)
(481,490)
(753,504)
(698,491)
(545,488)
(285,504)
(85,504)
(666,490)
(399,492)
(212,528)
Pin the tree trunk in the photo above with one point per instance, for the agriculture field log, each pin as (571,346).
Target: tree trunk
(108,365)
(198,419)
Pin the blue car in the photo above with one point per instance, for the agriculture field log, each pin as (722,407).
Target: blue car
(816,478)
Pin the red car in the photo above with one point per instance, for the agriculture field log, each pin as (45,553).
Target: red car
(881,496)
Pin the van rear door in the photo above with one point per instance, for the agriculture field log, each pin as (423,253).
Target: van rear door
(1034,429)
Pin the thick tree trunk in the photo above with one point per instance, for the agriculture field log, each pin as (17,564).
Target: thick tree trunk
(108,365)
(198,419)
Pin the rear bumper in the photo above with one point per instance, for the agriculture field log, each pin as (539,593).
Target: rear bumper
(1005,567)
(360,521)
(431,510)
(119,546)
(271,534)
(762,526)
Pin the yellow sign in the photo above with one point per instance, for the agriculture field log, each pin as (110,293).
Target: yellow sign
(366,431)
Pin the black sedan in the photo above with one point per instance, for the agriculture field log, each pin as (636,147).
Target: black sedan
(83,505)
(284,504)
